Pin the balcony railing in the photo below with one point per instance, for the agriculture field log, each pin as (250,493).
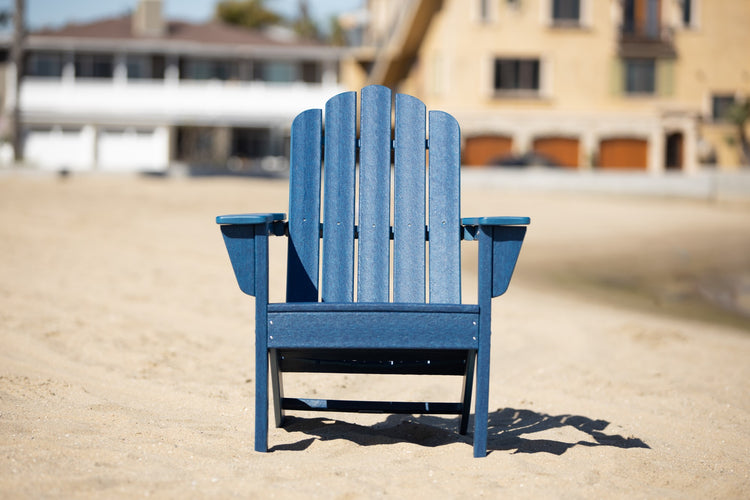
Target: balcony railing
(646,41)
(180,101)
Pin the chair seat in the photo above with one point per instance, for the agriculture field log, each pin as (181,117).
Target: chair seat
(372,326)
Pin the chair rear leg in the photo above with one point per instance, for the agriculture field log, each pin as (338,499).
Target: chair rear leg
(467,388)
(277,388)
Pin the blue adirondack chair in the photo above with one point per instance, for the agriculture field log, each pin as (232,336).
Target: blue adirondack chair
(414,325)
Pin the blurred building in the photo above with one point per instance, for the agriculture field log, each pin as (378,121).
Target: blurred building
(141,92)
(639,84)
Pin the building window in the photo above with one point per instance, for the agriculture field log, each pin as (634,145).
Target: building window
(209,69)
(640,76)
(311,72)
(516,75)
(279,72)
(138,67)
(94,66)
(251,142)
(46,64)
(720,105)
(642,18)
(687,12)
(566,12)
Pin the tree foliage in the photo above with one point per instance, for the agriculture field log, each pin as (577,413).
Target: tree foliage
(254,14)
(304,25)
(337,35)
(247,13)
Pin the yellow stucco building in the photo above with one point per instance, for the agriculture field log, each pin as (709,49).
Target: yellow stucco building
(641,84)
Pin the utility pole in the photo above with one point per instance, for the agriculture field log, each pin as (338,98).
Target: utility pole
(17,56)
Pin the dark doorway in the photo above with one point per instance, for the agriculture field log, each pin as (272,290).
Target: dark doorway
(674,151)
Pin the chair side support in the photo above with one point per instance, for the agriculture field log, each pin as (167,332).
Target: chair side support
(246,239)
(500,240)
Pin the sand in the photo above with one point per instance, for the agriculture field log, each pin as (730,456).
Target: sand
(620,363)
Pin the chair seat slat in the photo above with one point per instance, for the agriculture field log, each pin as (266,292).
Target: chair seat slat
(395,407)
(380,361)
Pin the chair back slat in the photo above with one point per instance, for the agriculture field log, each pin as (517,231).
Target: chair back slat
(304,207)
(409,201)
(373,270)
(338,199)
(444,203)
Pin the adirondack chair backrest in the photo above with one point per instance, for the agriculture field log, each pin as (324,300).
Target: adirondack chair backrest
(419,213)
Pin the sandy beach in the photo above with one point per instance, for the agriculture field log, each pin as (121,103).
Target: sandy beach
(620,363)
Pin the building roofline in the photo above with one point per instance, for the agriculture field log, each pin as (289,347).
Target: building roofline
(179,47)
(212,39)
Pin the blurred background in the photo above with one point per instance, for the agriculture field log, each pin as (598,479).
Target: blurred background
(204,86)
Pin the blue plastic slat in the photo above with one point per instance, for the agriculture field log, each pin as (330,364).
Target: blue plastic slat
(445,231)
(373,271)
(496,221)
(249,218)
(373,330)
(409,201)
(338,200)
(302,307)
(402,407)
(304,207)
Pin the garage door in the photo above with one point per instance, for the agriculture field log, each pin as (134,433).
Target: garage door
(56,147)
(623,153)
(562,150)
(485,149)
(131,149)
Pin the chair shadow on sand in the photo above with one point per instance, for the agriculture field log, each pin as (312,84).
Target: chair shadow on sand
(509,430)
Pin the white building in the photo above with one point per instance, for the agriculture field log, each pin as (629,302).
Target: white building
(140,93)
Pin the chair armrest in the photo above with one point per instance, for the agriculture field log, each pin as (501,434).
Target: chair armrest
(250,218)
(246,239)
(470,225)
(500,240)
(495,221)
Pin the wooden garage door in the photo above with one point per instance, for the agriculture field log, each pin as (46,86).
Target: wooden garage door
(563,150)
(623,153)
(482,150)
